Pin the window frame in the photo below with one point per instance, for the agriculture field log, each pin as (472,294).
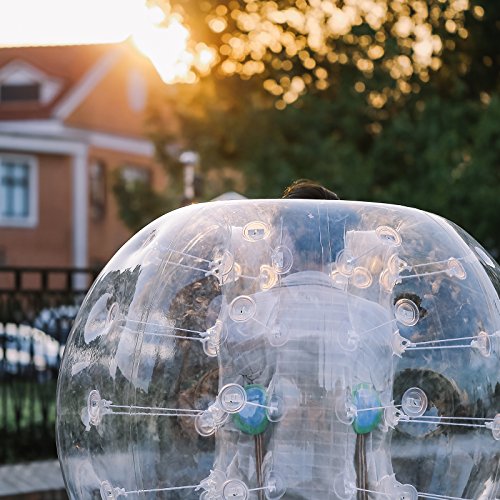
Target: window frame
(31,220)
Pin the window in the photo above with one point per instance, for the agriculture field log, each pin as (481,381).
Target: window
(97,190)
(135,178)
(20,92)
(18,191)
(135,175)
(21,84)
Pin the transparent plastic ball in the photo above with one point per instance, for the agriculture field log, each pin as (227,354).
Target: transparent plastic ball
(295,349)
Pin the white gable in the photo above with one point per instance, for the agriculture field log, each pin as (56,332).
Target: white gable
(21,73)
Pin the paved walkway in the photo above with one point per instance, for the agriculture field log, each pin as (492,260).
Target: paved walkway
(30,478)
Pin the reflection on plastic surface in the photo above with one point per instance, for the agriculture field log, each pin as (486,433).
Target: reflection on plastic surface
(287,349)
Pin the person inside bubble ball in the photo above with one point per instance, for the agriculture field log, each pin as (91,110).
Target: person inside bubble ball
(307,189)
(310,346)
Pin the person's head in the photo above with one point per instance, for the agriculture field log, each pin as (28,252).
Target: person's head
(312,226)
(306,189)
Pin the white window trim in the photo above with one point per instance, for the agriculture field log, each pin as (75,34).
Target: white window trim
(31,220)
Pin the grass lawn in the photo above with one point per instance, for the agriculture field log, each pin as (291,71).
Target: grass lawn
(27,420)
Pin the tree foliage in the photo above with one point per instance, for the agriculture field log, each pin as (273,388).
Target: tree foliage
(296,45)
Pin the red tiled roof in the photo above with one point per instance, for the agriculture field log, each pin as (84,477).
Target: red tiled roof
(67,63)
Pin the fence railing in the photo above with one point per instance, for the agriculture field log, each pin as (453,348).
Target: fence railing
(37,310)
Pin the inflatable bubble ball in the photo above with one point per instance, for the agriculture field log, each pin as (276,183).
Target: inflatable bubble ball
(295,349)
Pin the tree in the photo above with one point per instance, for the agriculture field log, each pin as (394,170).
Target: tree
(296,45)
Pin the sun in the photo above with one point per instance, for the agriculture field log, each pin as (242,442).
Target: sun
(166,42)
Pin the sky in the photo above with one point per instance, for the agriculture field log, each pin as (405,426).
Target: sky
(64,22)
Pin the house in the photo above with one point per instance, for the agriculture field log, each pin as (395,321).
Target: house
(70,116)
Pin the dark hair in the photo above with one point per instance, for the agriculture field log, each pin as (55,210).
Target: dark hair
(308,190)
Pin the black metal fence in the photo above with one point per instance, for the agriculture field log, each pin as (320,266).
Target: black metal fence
(37,309)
